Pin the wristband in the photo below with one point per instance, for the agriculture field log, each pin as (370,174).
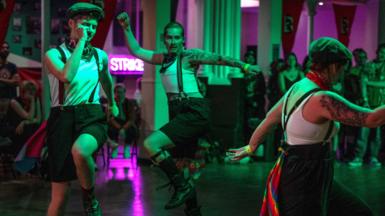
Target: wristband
(245,67)
(248,150)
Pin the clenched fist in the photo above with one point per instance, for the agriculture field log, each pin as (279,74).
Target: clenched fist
(124,20)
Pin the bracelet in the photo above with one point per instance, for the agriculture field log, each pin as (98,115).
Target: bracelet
(245,67)
(248,150)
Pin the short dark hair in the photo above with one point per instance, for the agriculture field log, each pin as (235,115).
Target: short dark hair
(358,50)
(173,25)
(380,46)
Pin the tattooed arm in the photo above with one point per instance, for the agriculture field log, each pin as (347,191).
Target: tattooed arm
(335,107)
(197,57)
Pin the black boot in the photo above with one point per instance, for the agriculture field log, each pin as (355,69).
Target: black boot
(192,208)
(193,212)
(183,190)
(92,208)
(90,204)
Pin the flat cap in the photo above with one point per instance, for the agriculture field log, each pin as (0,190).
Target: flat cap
(329,50)
(85,8)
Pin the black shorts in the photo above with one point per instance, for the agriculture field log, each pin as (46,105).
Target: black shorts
(306,179)
(64,126)
(189,120)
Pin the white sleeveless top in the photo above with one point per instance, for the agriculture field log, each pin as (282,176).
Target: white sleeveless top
(170,80)
(299,131)
(79,90)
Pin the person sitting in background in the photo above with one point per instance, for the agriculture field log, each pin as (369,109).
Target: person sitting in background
(291,74)
(26,113)
(9,78)
(124,125)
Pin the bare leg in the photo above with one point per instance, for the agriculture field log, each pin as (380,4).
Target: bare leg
(82,151)
(59,196)
(155,145)
(85,145)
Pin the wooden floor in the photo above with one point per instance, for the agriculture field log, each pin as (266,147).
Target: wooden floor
(224,189)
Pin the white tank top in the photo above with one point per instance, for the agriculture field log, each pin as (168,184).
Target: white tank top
(299,131)
(79,90)
(170,80)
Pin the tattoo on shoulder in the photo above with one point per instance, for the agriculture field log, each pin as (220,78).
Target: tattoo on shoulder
(342,113)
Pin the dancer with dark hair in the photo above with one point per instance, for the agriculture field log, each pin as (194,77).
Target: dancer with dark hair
(301,182)
(189,111)
(77,126)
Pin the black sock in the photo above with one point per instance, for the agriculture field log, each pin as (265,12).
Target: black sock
(88,194)
(192,203)
(169,167)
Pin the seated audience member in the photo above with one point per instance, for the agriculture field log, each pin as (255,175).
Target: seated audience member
(125,124)
(24,114)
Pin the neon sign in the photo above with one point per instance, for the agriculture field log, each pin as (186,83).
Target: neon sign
(125,65)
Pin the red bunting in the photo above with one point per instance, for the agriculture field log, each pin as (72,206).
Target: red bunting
(344,15)
(291,12)
(5,15)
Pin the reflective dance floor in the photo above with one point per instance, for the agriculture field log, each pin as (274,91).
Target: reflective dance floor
(127,188)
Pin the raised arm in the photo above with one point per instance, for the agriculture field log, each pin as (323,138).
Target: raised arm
(337,108)
(149,56)
(107,85)
(66,72)
(197,57)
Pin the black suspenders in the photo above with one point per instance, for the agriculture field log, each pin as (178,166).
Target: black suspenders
(297,103)
(61,84)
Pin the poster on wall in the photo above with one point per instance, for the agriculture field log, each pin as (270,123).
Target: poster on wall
(55,26)
(16,39)
(27,51)
(33,25)
(16,23)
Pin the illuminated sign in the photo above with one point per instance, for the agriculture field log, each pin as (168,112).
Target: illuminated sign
(125,65)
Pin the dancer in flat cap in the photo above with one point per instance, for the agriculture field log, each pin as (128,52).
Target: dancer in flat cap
(77,126)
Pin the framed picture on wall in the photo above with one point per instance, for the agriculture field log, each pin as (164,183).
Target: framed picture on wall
(36,6)
(27,51)
(55,26)
(17,7)
(33,25)
(37,43)
(16,23)
(61,12)
(16,39)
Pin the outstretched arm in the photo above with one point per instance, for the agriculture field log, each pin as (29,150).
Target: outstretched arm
(149,56)
(337,108)
(272,118)
(197,56)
